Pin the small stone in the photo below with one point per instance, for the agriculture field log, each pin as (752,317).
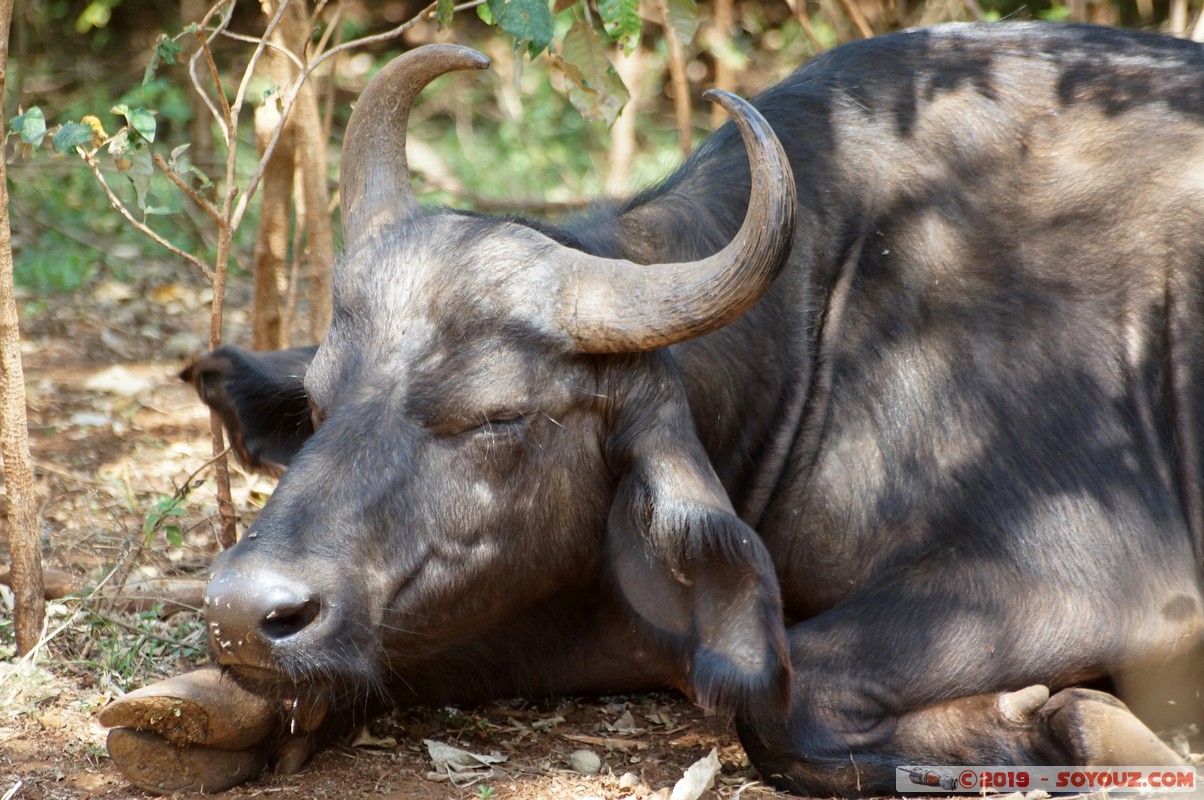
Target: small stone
(629,780)
(52,721)
(585,761)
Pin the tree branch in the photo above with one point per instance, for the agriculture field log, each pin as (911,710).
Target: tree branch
(115,201)
(196,196)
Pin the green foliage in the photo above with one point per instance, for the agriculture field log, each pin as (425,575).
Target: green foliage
(53,263)
(133,647)
(528,21)
(594,87)
(95,15)
(30,127)
(70,136)
(1055,13)
(166,51)
(141,120)
(165,509)
(621,19)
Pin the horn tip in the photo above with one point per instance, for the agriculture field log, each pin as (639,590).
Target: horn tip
(463,57)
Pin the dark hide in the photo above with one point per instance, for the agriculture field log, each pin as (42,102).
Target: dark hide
(950,461)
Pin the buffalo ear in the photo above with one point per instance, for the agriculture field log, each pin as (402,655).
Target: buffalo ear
(696,575)
(261,400)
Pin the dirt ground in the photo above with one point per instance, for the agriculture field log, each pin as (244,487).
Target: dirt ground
(114,436)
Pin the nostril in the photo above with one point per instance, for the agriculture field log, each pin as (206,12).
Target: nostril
(289,619)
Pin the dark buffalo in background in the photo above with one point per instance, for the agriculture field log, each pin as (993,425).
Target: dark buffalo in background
(889,470)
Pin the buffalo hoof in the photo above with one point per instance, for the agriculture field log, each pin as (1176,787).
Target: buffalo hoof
(197,732)
(196,708)
(154,764)
(1097,729)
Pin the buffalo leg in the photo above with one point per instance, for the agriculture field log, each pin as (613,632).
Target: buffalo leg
(954,670)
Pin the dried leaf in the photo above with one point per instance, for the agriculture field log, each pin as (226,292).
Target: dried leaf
(365,739)
(683,17)
(140,171)
(453,758)
(597,92)
(698,778)
(609,742)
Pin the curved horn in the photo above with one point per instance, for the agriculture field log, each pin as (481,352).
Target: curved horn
(618,306)
(374,181)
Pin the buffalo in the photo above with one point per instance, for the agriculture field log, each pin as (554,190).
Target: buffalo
(877,423)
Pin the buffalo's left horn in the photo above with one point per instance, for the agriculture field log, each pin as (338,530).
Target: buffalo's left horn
(618,306)
(374,181)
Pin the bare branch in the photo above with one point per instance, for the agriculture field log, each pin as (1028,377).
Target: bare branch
(289,54)
(261,45)
(364,41)
(115,201)
(196,196)
(333,27)
(291,95)
(223,117)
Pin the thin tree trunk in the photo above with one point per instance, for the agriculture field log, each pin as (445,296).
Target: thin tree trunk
(271,241)
(721,43)
(1177,21)
(682,105)
(313,208)
(23,539)
(622,133)
(857,18)
(307,191)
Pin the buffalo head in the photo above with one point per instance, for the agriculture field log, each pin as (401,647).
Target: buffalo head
(499,425)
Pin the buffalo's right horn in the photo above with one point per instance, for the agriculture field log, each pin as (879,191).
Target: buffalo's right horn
(618,306)
(374,179)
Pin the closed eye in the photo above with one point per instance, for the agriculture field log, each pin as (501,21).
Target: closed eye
(503,424)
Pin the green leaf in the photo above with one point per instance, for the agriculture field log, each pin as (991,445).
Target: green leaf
(163,510)
(95,15)
(204,179)
(70,136)
(166,50)
(525,20)
(598,91)
(621,19)
(30,126)
(139,172)
(485,14)
(444,9)
(142,121)
(683,17)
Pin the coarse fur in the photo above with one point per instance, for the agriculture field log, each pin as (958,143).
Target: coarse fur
(952,454)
